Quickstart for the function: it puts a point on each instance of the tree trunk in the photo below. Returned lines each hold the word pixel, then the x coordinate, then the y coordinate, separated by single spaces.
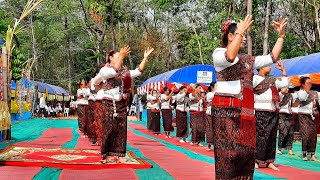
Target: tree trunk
pixel 249 39
pixel 317 28
pixel 68 54
pixel 266 29
pixel 114 36
pixel 6 134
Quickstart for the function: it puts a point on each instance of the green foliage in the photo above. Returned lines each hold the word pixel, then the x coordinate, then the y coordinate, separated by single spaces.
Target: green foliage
pixel 179 30
pixel 17 64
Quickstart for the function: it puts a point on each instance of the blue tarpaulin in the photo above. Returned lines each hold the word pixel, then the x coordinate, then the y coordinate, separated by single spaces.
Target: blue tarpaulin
pixel 41 87
pixel 299 66
pixel 186 74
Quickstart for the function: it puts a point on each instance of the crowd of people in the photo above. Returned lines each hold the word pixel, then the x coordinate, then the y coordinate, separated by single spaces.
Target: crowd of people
pixel 238 116
pixel 51 109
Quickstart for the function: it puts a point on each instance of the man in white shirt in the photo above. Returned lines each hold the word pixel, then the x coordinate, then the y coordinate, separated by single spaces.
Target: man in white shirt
pixel 266 99
pixel 42 105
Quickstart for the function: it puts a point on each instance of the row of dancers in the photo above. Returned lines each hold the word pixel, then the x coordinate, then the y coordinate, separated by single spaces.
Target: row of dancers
pixel 244 107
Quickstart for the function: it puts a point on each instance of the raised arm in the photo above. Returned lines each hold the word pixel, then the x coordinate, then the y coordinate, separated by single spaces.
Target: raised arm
pixel 123 54
pixel 279 26
pixel 137 72
pixel 235 45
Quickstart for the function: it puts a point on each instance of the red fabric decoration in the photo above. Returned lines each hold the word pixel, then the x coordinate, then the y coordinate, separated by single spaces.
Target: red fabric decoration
pixel 275 94
pixel 225 26
pixel 127 84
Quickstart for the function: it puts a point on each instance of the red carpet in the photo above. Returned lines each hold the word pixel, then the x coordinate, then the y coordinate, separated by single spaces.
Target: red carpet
pixel 177 164
pixel 175 141
pixel 51 138
pixel 286 172
pixel 18 173
pixel 84 143
pixel 64 158
pixel 98 174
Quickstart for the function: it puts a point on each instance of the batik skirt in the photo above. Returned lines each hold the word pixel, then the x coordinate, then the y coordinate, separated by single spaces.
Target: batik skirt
pixel 267 126
pixel 209 129
pixel 167 120
pixel 232 160
pixel 149 121
pixel 198 124
pixel 308 129
pixel 155 122
pixel 90 130
pixel 98 120
pixel 114 140
pixel 82 117
pixel 181 124
pixel 286 130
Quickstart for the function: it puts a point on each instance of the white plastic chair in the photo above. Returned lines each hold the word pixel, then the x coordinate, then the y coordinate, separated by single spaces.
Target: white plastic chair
pixel 66 112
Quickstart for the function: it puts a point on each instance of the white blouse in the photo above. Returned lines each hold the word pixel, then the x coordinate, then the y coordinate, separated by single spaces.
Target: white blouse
pixel 209 98
pixel 180 97
pixel 220 63
pixel 264 100
pixel 303 96
pixel 166 102
pixel 85 92
pixel 197 106
pixel 285 108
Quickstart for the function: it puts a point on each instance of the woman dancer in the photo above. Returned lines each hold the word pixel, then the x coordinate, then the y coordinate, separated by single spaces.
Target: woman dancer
pixel 308 114
pixel 115 81
pixel 181 115
pixel 286 127
pixel 209 127
pixel 166 111
pixel 197 120
pixel 232 105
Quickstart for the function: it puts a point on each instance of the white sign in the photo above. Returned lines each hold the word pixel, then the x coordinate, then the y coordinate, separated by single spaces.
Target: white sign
pixel 204 76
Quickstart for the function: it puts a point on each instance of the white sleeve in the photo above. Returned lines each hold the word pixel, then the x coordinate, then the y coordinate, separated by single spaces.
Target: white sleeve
pixel 262 61
pixel 163 97
pixel 152 98
pixel 255 81
pixel 319 98
pixel 210 96
pixel 283 83
pixel 191 97
pixel 179 96
pixel 303 95
pixel 220 61
pixel 104 73
pixel 135 73
pixel 294 96
pixel 87 92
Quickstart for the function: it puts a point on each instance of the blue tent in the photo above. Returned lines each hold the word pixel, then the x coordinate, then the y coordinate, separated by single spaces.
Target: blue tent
pixel 25 83
pixel 188 74
pixel 41 87
pixel 300 65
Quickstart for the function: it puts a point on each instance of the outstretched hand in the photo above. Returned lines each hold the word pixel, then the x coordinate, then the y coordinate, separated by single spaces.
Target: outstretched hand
pixel 125 51
pixel 280 26
pixel 280 65
pixel 245 24
pixel 147 52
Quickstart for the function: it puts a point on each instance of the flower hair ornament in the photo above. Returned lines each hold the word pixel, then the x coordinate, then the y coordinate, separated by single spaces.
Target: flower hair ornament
pixel 225 27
